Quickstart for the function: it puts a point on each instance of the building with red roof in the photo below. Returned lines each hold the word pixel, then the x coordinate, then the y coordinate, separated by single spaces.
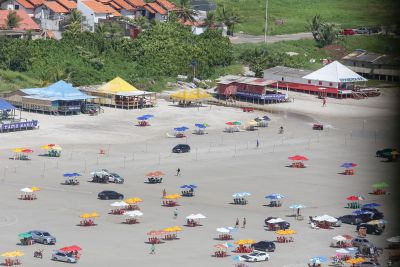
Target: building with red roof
pixel 25 24
pixel 23 5
pixel 68 4
pixel 94 11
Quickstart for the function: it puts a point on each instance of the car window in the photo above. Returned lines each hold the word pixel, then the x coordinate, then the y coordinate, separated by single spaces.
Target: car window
pixel 60 254
pixel 46 234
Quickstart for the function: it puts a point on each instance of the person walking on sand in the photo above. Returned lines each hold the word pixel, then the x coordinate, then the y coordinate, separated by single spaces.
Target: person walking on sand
pixel 152 249
pixel 244 222
pixel 324 102
pixel 257 144
pixel 175 213
pixel 237 223
pixel 178 172
pixel 164 193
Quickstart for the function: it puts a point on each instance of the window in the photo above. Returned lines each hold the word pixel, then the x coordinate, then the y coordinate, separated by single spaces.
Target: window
pixel 309 81
pixel 320 83
pixel 330 84
pixel 16 7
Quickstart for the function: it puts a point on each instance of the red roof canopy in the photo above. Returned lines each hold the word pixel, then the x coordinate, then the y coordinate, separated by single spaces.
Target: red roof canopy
pixel 157 8
pixel 26 23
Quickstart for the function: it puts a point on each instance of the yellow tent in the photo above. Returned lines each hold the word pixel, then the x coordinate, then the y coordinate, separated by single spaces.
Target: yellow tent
pixel 117 85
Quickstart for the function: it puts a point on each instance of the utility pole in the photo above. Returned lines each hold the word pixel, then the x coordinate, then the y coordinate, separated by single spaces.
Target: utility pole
pixel 266 21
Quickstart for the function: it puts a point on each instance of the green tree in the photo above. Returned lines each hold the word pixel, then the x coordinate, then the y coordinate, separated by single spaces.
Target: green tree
pixel 324 33
pixel 184 11
pixel 75 22
pixel 12 20
pixel 229 17
pixel 211 20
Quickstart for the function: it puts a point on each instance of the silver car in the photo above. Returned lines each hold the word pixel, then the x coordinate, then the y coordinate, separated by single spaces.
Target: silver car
pixel 43 237
pixel 63 256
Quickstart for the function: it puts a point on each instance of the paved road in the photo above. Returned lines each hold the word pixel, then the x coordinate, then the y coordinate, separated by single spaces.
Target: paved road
pixel 244 38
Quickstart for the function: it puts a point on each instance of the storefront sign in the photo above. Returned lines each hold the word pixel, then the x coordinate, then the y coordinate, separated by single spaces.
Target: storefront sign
pixel 18 125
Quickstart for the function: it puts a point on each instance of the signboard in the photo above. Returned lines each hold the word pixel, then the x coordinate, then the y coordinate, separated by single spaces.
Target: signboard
pixel 263 96
pixel 343 80
pixel 18 125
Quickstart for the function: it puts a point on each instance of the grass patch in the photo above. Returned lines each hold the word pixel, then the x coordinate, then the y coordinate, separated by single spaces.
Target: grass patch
pixel 10 80
pixel 296 13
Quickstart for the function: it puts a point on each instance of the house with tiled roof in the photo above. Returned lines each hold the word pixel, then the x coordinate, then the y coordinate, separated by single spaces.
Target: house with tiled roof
pixel 26 23
pixel 68 4
pixel 158 10
pixel 94 11
pixel 24 5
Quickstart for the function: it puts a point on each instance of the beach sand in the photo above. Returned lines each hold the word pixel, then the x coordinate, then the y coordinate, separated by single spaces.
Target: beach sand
pixel 219 163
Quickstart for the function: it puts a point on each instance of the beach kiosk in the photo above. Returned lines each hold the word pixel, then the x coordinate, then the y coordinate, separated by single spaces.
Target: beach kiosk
pixel 10 121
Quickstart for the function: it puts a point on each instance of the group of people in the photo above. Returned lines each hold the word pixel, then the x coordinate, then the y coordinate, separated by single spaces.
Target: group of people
pixel 237 223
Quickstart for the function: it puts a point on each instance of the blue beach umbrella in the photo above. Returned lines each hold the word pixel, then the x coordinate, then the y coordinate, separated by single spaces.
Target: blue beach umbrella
pixel 371 205
pixel 297 206
pixel 75 174
pixel 275 196
pixel 319 259
pixel 192 186
pixel 184 186
pixel 149 116
pixel 200 126
pixel 361 212
pixel 68 175
pixel 348 165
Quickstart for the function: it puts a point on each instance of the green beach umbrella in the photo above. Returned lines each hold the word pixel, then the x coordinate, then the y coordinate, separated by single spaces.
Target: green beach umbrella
pixel 380 185
pixel 237 123
pixel 25 235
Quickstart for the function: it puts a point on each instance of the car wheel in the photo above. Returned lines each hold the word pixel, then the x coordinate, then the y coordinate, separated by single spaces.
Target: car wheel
pixel 45 242
pixel 121 197
pixel 69 261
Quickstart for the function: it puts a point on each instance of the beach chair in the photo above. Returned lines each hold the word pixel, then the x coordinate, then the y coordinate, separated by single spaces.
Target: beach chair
pixel 314 226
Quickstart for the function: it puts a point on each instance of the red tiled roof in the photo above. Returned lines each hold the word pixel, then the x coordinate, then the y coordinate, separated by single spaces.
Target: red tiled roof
pixel 124 4
pixel 55 7
pixel 26 23
pixel 104 1
pixel 36 3
pixel 97 7
pixel 191 23
pixel 67 4
pixel 137 3
pixel 166 4
pixel 114 5
pixel 149 9
pixel 157 8
pixel 25 4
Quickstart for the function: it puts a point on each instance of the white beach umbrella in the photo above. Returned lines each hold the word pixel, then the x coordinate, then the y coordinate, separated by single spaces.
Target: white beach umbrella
pixel 119 204
pixel 339 238
pixel 223 230
pixel 133 213
pixel 200 216
pixel 277 220
pixel 191 217
pixel 26 190
pixel 325 218
pixel 342 251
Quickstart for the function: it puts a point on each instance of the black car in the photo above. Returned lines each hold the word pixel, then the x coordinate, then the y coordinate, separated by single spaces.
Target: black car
pixel 264 246
pixel 384 153
pixel 282 225
pixel 181 148
pixel 351 219
pixel 377 215
pixel 372 229
pixel 110 195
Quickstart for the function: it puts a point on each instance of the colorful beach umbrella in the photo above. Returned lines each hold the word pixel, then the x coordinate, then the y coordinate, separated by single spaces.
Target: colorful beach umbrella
pixel 71 248
pixel 348 165
pixel 275 196
pixel 229 123
pixel 361 212
pixel 298 158
pixel 286 232
pixel 25 235
pixel 371 205
pixel 380 185
pixel 318 259
pixel 355 198
pixel 200 125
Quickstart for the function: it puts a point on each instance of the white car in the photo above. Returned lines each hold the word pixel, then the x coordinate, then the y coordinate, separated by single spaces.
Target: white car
pixel 256 256
pixel 63 256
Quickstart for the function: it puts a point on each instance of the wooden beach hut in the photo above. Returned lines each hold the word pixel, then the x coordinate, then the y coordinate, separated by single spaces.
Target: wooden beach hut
pixel 58 98
pixel 120 94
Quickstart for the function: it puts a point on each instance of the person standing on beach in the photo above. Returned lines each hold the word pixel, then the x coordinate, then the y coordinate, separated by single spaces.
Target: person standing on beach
pixel 175 213
pixel 324 102
pixel 257 143
pixel 237 223
pixel 164 193
pixel 244 222
pixel 178 172
pixel 153 249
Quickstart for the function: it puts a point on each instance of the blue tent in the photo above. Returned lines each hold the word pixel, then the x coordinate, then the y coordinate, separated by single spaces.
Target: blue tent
pixel 57 91
pixel 4 105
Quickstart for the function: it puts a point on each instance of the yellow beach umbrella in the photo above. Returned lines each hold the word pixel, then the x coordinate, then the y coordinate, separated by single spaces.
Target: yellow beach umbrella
pixel 117 85
pixel 199 94
pixel 173 196
pixel 17 253
pixel 34 188
pixel 252 123
pixel 8 254
pixel 286 232
pixel 250 241
pixel 241 242
pixel 355 260
pixel 18 150
pixel 133 200
pixel 177 228
pixel 94 215
pixel 85 216
pixel 169 229
pixel 182 95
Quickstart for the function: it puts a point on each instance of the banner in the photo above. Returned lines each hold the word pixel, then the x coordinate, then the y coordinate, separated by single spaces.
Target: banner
pixel 18 125
pixel 263 96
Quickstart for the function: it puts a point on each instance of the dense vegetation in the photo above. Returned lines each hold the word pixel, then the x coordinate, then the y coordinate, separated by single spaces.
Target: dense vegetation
pixel 296 13
pixel 167 49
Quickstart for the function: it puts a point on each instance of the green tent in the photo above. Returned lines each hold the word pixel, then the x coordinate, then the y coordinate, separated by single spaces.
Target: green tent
pixel 25 235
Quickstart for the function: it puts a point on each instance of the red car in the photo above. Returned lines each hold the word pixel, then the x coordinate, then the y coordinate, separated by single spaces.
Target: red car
pixel 348 32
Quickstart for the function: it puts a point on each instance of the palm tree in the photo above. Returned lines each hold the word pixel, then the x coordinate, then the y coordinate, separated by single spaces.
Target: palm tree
pixel 75 21
pixel 211 20
pixel 229 17
pixel 12 20
pixel 114 30
pixel 184 11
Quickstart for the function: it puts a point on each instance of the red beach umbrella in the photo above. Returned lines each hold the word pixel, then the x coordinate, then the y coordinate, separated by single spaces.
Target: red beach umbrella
pixel 27 151
pixel 354 198
pixel 298 158
pixel 229 123
pixel 158 173
pixel 71 248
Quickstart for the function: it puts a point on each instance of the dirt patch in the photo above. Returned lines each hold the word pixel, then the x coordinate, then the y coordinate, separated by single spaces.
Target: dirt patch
pixel 335 51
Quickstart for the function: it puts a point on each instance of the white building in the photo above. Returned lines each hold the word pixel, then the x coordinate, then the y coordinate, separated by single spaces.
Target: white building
pixel 24 5
pixel 94 11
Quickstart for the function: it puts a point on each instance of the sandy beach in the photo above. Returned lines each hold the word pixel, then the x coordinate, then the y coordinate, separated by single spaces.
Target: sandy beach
pixel 219 163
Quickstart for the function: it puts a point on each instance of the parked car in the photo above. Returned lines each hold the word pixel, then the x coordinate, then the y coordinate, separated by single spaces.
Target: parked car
pixel 361 242
pixel 348 32
pixel 372 229
pixel 105 176
pixel 256 256
pixel 43 237
pixel 282 225
pixel 377 215
pixel 110 195
pixel 264 246
pixel 383 152
pixel 181 148
pixel 351 219
pixel 362 30
pixel 63 256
